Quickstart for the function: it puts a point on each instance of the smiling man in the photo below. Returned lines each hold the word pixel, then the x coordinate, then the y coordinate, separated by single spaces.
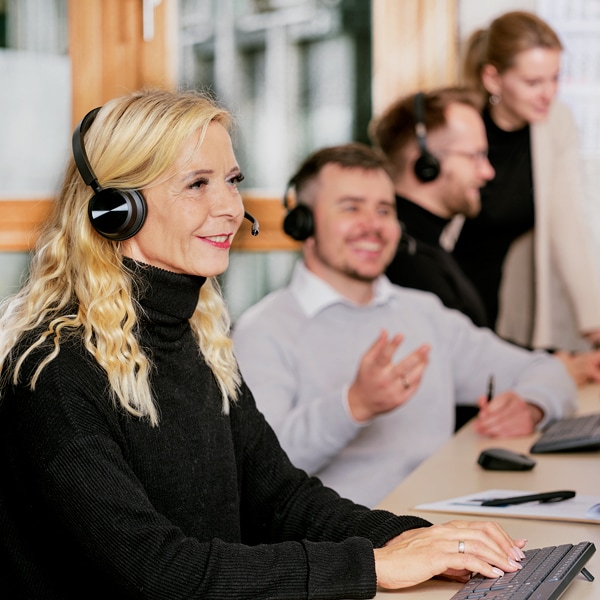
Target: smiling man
pixel 359 377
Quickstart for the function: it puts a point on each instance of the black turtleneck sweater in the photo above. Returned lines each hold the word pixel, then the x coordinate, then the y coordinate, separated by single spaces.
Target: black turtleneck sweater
pixel 423 264
pixel 507 211
pixel 95 503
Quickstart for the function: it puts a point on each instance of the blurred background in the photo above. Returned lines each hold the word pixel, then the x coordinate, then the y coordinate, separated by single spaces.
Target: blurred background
pixel 296 74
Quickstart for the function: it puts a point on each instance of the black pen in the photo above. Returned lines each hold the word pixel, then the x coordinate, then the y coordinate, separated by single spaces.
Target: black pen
pixel 490 393
pixel 546 497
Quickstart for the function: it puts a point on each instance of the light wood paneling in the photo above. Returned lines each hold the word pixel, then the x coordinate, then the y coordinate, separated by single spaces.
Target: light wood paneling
pixel 20 219
pixel 415 47
pixel 270 213
pixel 109 56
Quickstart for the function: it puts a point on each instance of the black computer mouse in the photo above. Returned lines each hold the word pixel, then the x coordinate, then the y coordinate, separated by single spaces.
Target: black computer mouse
pixel 501 459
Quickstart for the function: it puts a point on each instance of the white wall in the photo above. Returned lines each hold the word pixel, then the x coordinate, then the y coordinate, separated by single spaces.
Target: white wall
pixel 473 14
pixel 13 266
pixel 35 120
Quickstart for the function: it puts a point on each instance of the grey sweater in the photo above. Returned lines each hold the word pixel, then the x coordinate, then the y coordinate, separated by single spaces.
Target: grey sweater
pixel 299 350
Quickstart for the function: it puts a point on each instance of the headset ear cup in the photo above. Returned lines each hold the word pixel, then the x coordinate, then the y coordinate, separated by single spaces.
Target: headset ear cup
pixel 299 223
pixel 117 214
pixel 427 167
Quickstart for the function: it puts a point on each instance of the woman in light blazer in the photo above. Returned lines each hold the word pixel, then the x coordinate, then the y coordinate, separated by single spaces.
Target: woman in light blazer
pixel 529 252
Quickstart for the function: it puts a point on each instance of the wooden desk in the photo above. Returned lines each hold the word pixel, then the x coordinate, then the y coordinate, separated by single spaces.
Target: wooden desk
pixel 453 471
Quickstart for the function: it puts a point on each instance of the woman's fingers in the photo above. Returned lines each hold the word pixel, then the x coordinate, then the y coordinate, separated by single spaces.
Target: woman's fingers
pixel 453 550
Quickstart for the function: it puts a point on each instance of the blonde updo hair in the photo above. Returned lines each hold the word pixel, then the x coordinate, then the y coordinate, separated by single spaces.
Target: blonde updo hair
pixel 498 45
pixel 77 283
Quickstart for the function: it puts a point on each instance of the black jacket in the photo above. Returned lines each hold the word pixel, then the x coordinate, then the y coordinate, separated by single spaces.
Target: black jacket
pixel 421 263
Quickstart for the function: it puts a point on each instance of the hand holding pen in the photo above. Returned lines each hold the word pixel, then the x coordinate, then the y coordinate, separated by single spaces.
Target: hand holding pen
pixel 490 389
pixel 506 414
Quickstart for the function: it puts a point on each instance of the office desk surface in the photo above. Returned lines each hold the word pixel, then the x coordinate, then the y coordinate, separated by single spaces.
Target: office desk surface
pixel 453 471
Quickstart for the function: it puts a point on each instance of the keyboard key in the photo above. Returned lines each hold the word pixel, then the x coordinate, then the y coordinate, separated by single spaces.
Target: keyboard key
pixel 545 575
pixel 575 433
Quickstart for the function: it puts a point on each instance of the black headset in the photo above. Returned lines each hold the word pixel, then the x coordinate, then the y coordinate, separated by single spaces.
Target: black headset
pixel 299 222
pixel 116 214
pixel 427 166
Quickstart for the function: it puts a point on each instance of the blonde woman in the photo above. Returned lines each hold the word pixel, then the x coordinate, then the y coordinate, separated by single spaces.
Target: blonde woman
pixel 528 251
pixel 131 451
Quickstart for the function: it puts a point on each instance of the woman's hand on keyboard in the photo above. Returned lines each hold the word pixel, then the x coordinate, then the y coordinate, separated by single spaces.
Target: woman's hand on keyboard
pixel 420 554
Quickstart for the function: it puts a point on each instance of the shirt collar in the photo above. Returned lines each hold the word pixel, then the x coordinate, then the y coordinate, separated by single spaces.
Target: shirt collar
pixel 314 294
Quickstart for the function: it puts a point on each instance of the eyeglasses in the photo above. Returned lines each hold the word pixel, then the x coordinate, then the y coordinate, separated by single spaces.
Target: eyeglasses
pixel 479 156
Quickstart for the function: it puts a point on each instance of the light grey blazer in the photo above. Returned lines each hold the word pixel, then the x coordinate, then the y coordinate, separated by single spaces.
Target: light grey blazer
pixel 550 291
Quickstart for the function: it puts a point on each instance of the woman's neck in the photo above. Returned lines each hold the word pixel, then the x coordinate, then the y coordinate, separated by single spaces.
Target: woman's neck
pixel 506 119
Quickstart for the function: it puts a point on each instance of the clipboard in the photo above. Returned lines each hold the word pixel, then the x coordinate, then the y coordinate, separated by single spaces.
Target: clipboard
pixel 580 509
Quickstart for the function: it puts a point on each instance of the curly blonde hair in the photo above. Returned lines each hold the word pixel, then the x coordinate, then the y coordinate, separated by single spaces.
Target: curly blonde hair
pixel 77 283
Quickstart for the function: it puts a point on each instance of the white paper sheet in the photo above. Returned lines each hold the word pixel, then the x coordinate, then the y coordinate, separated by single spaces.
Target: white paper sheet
pixel 581 508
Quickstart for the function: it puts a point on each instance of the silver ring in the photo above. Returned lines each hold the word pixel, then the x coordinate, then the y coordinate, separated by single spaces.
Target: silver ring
pixel 461 547
pixel 405 383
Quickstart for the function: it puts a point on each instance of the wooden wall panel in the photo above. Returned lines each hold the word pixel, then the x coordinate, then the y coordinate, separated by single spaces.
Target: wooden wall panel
pixel 415 46
pixel 109 56
pixel 270 213
pixel 20 219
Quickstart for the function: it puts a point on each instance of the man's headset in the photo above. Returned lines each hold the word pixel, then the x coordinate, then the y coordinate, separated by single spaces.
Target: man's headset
pixel 427 166
pixel 116 214
pixel 299 222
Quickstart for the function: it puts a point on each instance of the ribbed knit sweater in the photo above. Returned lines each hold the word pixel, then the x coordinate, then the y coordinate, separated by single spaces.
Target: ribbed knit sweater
pixel 95 503
pixel 507 212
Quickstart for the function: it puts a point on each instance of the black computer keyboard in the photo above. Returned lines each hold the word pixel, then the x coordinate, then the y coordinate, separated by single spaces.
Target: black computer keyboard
pixel 545 575
pixel 575 433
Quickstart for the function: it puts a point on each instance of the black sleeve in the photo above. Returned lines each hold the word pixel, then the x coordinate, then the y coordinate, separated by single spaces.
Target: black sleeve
pixel 287 504
pixel 148 557
pixel 89 513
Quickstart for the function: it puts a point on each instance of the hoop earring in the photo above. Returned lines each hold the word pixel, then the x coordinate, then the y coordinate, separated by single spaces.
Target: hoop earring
pixel 494 99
